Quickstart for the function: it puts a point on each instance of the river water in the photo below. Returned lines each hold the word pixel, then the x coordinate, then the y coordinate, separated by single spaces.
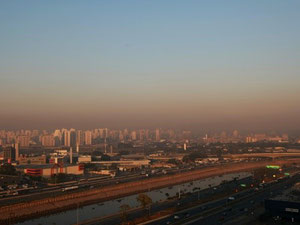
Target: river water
pixel 113 206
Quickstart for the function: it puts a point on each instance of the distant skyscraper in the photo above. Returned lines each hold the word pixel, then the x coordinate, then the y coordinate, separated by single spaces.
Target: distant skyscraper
pixel 121 136
pixel 35 133
pixel 147 134
pixel 67 138
pixel 235 134
pixel 57 137
pixel 157 135
pixel 48 140
pixel 141 134
pixel 133 135
pixel 9 154
pixel 73 137
pixel 88 137
pixel 17 151
pixel 101 133
pixel 79 137
pixel 23 140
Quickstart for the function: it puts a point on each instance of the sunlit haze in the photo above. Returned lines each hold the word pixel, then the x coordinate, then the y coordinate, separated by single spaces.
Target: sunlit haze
pixel 179 64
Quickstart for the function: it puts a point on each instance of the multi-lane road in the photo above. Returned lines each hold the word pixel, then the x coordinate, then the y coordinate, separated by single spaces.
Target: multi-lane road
pixel 102 182
pixel 87 183
pixel 220 211
pixel 225 210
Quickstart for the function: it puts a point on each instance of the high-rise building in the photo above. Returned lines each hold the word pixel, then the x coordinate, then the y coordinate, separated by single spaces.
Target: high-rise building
pixel 133 135
pixel 157 135
pixel 141 135
pixel 72 137
pixel 235 134
pixel 79 137
pixel 147 134
pixel 125 134
pixel 67 138
pixel 57 137
pixel 35 133
pixel 17 151
pixel 101 133
pixel 88 137
pixel 9 154
pixel 121 136
pixel 48 140
pixel 23 140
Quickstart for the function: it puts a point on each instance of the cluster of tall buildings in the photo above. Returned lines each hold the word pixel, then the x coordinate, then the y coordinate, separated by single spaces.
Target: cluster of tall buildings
pixel 72 137
pixel 235 137
pixel 75 137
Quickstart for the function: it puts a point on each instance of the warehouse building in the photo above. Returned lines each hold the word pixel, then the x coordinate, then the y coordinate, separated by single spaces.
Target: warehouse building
pixel 287 205
pixel 48 170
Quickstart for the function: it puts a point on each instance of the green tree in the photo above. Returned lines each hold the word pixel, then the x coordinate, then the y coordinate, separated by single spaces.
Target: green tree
pixel 194 155
pixel 145 201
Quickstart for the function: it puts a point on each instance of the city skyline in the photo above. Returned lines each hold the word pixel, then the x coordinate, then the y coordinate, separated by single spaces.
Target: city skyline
pixel 149 112
pixel 195 65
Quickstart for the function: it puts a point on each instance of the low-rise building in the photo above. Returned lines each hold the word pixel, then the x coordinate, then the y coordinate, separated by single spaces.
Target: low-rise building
pixel 34 160
pixel 48 170
pixel 84 159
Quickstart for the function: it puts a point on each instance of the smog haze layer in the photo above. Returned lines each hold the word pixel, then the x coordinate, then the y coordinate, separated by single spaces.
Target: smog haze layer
pixel 181 64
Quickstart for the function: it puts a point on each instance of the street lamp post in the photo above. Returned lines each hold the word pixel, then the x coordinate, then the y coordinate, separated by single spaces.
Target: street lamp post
pixel 77 213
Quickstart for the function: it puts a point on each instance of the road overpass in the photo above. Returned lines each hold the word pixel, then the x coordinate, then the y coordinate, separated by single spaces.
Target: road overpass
pixel 145 162
pixel 264 155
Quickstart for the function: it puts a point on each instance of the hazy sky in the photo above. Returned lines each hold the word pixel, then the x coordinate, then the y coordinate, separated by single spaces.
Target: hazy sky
pixel 198 64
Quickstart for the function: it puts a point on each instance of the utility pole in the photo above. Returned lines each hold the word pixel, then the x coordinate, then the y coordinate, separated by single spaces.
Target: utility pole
pixel 77 213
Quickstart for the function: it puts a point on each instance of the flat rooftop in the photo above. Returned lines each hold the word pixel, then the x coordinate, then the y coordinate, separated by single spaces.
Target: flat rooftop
pixel 292 194
pixel 43 166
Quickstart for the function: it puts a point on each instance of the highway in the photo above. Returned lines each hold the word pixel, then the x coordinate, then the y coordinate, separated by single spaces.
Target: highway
pixel 88 183
pixel 214 212
pixel 57 189
pixel 222 211
pixel 175 203
pixel 101 183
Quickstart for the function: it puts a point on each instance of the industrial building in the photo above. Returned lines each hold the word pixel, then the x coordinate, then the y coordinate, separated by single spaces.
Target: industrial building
pixel 33 160
pixel 287 205
pixel 48 170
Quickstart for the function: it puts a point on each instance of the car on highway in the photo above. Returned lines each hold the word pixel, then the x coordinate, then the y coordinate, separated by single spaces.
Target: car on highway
pixel 176 217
